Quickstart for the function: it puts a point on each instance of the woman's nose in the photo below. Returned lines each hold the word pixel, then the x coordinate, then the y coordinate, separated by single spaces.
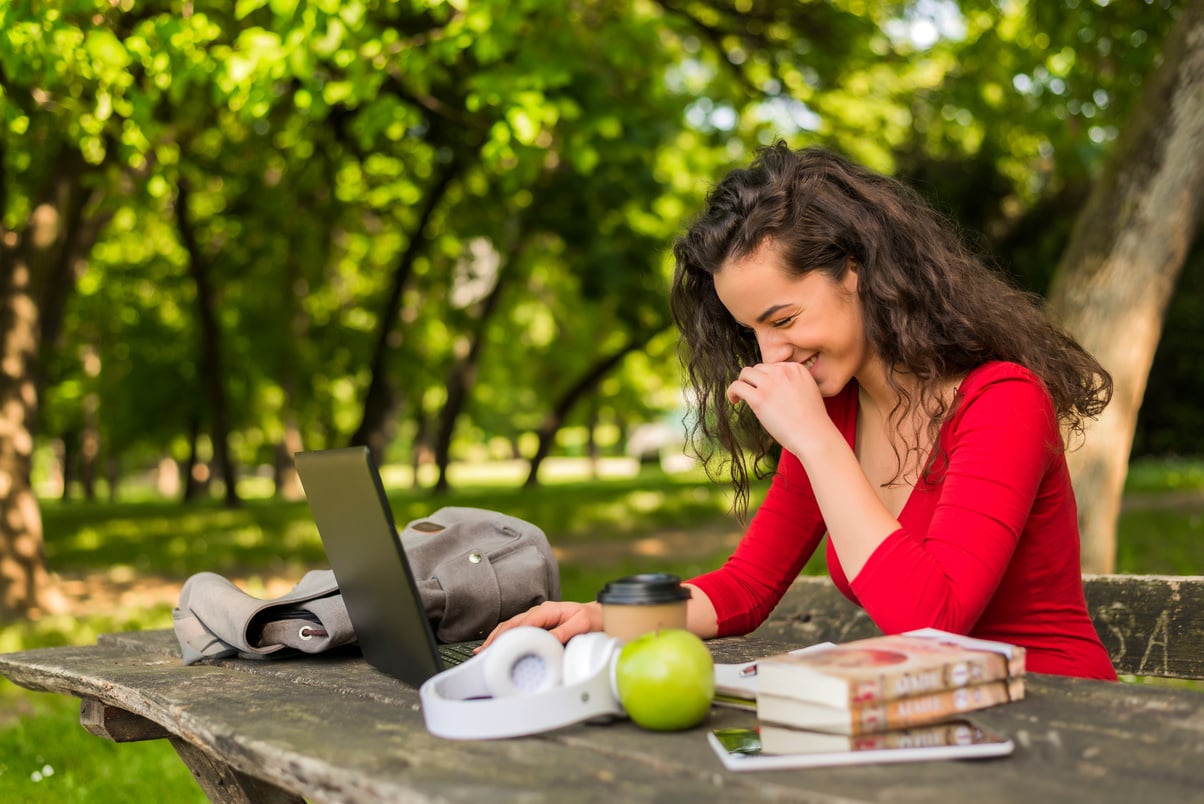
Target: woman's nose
pixel 774 348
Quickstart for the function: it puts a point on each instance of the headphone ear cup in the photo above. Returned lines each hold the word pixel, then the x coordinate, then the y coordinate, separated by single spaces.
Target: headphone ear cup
pixel 522 661
pixel 588 654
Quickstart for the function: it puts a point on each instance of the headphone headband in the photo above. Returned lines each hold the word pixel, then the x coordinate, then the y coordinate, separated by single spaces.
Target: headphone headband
pixel 476 700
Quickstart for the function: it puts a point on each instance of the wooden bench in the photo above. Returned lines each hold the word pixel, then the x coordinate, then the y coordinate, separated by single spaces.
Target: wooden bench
pixel 1152 625
pixel 330 729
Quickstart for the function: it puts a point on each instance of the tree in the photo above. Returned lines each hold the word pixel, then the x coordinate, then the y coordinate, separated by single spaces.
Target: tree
pixel 48 222
pixel 341 156
pixel 1129 244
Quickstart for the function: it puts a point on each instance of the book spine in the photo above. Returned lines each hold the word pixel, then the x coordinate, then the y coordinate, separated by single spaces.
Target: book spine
pixel 937 734
pixel 888 686
pixel 899 713
pixel 917 710
pixel 786 740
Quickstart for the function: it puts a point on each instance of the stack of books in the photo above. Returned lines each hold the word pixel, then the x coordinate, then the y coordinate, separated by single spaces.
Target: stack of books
pixel 880 691
pixel 899 698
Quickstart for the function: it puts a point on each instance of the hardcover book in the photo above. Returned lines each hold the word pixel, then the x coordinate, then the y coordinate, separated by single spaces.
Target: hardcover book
pixel 784 740
pixel 736 684
pixel 885 668
pixel 896 713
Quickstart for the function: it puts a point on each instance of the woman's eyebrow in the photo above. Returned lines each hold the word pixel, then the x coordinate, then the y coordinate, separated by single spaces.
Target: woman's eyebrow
pixel 771 311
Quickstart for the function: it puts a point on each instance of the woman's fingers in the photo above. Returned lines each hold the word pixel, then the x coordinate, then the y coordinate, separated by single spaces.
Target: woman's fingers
pixel 585 619
pixel 548 615
pixel 759 377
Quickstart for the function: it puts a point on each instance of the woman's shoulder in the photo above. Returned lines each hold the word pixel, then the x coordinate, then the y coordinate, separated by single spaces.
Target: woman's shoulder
pixel 999 372
pixel 1004 388
pixel 1010 401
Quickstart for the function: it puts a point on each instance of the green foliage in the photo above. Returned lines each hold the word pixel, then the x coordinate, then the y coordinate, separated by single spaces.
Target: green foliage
pixel 1172 421
pixel 1162 541
pixel 578 140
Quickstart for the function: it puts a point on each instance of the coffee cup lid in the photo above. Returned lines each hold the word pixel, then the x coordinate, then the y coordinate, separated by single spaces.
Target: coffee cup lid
pixel 644 589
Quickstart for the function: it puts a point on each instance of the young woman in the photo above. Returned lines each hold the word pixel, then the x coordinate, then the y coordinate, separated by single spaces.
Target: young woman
pixel 915 407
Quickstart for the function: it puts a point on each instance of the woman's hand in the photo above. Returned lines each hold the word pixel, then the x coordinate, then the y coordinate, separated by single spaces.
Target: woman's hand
pixel 563 618
pixel 785 399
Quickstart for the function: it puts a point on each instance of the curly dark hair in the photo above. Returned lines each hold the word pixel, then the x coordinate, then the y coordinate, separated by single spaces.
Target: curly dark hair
pixel 932 309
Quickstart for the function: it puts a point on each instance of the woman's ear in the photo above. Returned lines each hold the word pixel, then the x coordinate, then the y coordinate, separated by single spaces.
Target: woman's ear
pixel 850 275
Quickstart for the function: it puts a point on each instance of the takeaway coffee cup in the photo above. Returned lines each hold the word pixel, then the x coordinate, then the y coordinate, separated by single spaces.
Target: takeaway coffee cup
pixel 641 603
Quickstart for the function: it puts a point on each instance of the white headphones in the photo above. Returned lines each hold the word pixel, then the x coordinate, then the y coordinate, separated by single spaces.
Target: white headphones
pixel 526 682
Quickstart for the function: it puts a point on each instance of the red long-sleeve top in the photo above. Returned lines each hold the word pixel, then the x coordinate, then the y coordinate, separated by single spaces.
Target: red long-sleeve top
pixel 989 543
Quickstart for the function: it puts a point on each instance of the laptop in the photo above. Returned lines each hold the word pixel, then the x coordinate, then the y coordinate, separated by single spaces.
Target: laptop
pixel 349 506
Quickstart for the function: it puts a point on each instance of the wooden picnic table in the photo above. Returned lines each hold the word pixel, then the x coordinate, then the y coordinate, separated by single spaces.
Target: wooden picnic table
pixel 330 728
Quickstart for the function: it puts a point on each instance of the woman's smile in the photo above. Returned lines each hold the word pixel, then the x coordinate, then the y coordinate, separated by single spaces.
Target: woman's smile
pixel 793 314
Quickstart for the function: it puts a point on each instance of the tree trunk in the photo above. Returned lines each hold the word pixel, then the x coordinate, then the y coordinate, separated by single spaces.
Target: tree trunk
pixel 560 411
pixel 212 372
pixel 65 449
pixel 35 270
pixel 23 577
pixel 286 481
pixel 463 373
pixel 592 450
pixel 196 478
pixel 420 452
pixel 89 453
pixel 1117 276
pixel 378 400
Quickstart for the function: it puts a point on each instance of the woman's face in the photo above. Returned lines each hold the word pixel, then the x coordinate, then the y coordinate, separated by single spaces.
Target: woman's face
pixel 810 319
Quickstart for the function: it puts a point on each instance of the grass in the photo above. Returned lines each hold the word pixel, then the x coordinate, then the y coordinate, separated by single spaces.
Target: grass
pixel 46 757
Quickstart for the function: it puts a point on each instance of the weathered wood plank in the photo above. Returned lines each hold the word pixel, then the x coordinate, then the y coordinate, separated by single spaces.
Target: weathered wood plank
pixel 116 724
pixel 1150 625
pixel 332 729
pixel 813 610
pixel 224 784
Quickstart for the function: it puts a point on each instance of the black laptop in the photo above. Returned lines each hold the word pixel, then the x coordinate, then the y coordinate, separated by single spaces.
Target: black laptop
pixel 356 524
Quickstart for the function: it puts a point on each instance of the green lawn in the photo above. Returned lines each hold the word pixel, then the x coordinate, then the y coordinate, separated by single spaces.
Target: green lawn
pixel 606 528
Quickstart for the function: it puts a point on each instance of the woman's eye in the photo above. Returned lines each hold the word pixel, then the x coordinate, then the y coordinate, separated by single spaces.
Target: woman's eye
pixel 782 322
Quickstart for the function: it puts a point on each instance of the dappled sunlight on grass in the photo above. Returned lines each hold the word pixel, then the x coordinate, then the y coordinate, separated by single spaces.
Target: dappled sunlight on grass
pixel 82 628
pixel 46 757
pixel 1165 475
pixel 121 565
pixel 514 472
pixel 176 539
pixel 645 501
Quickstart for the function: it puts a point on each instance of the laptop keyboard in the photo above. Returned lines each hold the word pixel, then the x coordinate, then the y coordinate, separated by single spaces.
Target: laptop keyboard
pixel 458 652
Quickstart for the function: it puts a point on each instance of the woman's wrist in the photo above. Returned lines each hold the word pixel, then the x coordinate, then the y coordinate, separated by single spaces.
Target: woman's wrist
pixel 817 449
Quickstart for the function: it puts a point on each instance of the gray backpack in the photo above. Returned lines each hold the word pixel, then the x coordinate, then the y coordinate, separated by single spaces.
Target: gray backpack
pixel 473 568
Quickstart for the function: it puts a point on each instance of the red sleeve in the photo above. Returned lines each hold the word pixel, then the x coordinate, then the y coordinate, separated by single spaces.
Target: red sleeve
pixel 999 445
pixel 781 538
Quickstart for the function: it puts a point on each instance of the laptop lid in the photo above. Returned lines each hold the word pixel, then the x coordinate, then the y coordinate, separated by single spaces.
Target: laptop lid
pixel 356 524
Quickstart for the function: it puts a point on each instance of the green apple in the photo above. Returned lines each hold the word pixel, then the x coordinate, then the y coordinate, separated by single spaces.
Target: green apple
pixel 666 679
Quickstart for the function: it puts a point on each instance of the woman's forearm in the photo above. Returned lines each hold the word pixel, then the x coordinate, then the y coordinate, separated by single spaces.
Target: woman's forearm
pixel 701 618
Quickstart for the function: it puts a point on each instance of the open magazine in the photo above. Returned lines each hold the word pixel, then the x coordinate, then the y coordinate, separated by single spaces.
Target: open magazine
pixel 741 749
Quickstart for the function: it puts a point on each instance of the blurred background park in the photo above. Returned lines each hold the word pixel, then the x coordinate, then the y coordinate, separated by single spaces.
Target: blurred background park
pixel 236 229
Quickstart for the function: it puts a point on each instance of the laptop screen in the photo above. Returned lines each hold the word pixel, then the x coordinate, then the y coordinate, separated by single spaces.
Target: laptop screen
pixel 356 524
